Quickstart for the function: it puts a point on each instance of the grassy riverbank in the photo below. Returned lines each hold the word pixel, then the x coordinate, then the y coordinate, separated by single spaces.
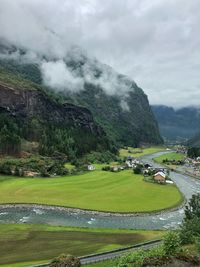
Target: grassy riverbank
pixel 23 245
pixel 170 156
pixel 98 190
pixel 140 152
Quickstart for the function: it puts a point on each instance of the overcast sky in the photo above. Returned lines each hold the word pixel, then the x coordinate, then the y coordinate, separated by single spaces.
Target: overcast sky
pixel 155 42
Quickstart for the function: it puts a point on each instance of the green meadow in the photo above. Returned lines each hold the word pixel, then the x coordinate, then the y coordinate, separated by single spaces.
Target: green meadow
pixel 139 152
pixel 170 156
pixel 123 192
pixel 23 245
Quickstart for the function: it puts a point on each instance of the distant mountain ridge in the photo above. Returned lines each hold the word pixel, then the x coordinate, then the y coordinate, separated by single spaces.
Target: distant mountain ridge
pixel 194 141
pixel 180 124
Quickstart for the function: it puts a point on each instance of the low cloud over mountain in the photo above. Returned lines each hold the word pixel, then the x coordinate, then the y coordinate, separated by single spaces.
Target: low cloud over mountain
pixel 155 43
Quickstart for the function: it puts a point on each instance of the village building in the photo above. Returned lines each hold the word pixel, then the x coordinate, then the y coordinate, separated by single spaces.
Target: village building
pixel 160 177
pixel 90 167
pixel 115 168
pixel 131 162
pixel 147 166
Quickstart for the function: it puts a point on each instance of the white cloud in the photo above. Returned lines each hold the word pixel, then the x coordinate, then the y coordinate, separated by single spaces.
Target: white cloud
pixel 124 105
pixel 156 43
pixel 58 76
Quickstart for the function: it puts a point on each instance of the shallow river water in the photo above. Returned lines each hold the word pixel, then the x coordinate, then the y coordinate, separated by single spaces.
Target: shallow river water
pixel 164 220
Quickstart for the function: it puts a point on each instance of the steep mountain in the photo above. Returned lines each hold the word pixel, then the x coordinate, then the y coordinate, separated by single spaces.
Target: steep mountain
pixel 28 113
pixel 117 103
pixel 180 124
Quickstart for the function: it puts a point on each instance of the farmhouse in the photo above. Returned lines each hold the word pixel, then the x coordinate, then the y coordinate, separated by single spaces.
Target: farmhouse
pixel 159 177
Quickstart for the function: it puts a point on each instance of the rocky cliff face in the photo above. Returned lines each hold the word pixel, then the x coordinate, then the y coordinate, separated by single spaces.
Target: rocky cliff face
pixel 33 115
pixel 26 104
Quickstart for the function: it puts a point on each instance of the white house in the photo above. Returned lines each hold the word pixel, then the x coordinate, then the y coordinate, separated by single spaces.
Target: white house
pixel 131 162
pixel 90 167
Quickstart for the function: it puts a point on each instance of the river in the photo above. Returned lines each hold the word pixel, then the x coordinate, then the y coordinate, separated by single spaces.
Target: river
pixel 163 220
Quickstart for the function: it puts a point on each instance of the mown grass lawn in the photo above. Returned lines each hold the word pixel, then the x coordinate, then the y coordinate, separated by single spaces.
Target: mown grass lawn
pixel 170 156
pixel 97 190
pixel 139 152
pixel 23 245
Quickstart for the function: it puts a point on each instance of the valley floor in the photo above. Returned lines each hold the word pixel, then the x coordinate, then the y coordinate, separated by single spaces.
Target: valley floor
pixel 170 156
pixel 123 192
pixel 140 152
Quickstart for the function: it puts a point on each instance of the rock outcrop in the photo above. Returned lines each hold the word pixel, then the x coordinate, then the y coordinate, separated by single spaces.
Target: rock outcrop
pixel 26 104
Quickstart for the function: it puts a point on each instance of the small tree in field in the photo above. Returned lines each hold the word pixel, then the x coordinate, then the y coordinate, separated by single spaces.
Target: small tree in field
pixel 137 169
pixel 172 243
pixel 190 228
pixel 65 261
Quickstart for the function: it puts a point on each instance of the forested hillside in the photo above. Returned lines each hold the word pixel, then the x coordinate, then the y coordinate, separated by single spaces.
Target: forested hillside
pixel 28 113
pixel 119 106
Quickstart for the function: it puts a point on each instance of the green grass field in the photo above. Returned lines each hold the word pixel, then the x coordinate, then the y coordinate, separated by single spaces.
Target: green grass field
pixel 97 190
pixel 170 156
pixel 106 263
pixel 138 152
pixel 23 245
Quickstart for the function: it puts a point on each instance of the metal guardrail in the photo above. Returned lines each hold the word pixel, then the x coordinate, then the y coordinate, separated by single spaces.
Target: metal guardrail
pixel 109 254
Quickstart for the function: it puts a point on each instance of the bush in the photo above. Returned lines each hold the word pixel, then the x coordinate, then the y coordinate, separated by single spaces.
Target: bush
pixel 189 230
pixel 99 157
pixel 137 169
pixel 193 208
pixel 65 261
pixel 44 166
pixel 106 168
pixel 140 258
pixel 172 243
pixel 197 244
pixel 136 259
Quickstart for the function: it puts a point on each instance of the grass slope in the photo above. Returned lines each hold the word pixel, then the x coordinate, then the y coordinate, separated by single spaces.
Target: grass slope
pixel 139 152
pixel 22 245
pixel 170 156
pixel 98 190
pixel 106 263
